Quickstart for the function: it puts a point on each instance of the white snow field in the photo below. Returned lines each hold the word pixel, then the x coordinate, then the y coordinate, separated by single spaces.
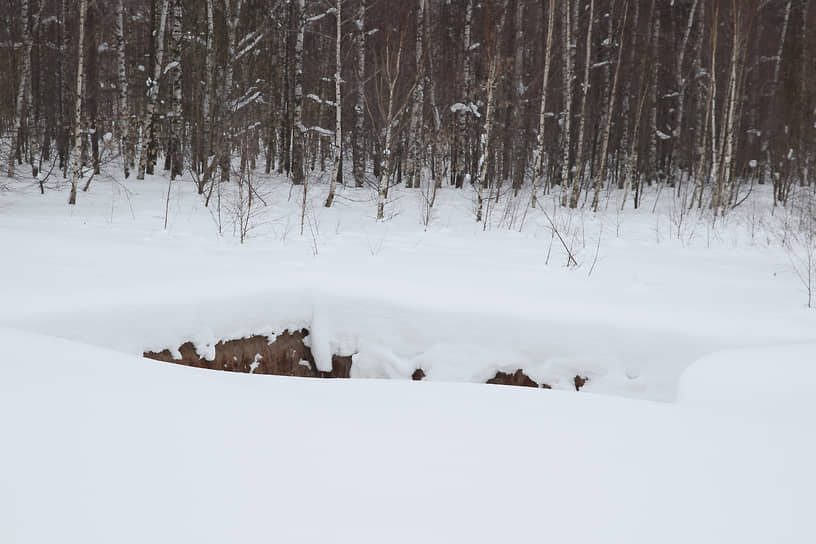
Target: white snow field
pixel 702 325
pixel 102 447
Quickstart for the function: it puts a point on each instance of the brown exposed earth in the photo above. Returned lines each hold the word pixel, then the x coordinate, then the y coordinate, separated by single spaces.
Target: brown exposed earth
pixel 288 355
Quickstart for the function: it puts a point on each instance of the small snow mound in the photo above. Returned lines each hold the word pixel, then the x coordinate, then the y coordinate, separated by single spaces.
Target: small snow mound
pixel 769 381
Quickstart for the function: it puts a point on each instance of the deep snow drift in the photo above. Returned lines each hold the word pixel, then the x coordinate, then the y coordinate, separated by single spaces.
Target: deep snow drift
pixel 460 302
pixel 103 447
pixel 100 445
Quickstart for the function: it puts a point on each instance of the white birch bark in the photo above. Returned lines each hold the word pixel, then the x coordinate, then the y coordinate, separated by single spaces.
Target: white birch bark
pixel 23 95
pixel 153 92
pixel 125 148
pixel 359 158
pixel 579 155
pixel 338 106
pixel 77 152
pixel 654 171
pixel 415 152
pixel 481 182
pixel 298 174
pixel 177 147
pixel 542 113
pixel 599 175
pixel 567 120
pixel 209 64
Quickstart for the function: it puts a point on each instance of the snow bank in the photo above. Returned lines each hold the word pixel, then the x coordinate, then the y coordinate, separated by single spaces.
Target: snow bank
pixel 99 447
pixel 453 300
pixel 762 382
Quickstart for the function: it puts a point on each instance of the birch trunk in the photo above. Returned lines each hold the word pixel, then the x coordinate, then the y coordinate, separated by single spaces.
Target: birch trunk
pixel 152 93
pixel 654 173
pixel 773 92
pixel 205 142
pixel 565 130
pixel 728 130
pixel 715 164
pixel 519 144
pixel 177 144
pixel 77 152
pixel 415 153
pixel 359 148
pixel 392 72
pixel 599 175
pixel 542 112
pixel 338 109
pixel 124 113
pixel 298 174
pixel 485 141
pixel 232 13
pixel 579 155
pixel 461 153
pixel 23 95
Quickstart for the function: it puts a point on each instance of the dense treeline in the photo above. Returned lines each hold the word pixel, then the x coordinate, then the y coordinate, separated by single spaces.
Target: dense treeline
pixel 705 96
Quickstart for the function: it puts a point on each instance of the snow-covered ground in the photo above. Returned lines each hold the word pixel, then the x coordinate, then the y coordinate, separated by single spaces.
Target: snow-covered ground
pixel 457 301
pixel 100 445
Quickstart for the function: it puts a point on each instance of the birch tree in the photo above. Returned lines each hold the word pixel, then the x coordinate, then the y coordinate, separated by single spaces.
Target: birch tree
pixel 359 158
pixel 206 137
pixel 174 68
pixel 152 93
pixel 579 154
pixel 298 174
pixel 338 106
pixel 542 113
pixel 607 127
pixel 416 139
pixel 124 112
pixel 23 86
pixel 77 152
pixel 567 113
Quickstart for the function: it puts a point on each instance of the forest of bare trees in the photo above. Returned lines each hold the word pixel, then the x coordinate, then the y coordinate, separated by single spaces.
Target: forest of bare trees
pixel 707 97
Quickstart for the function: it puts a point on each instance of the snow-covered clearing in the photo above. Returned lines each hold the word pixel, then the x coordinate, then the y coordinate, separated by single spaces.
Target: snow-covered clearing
pixel 452 299
pixel 100 445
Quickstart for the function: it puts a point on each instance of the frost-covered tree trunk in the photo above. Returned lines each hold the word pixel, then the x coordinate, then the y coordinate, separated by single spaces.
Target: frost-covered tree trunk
pixel 338 106
pixel 359 147
pixel 77 152
pixel 542 112
pixel 152 93
pixel 416 140
pixel 567 120
pixel 298 174
pixel 174 69
pixel 607 128
pixel 23 94
pixel 124 113
pixel 577 182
